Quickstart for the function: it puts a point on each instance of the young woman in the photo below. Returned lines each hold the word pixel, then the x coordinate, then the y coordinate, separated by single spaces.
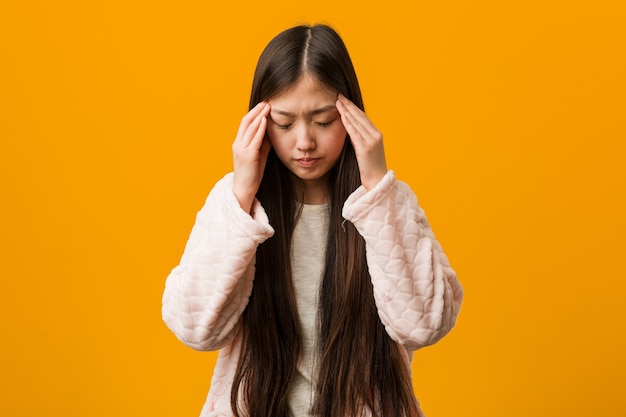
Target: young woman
pixel 311 268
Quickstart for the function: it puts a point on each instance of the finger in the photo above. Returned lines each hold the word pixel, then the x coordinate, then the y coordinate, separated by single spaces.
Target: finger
pixel 250 117
pixel 254 129
pixel 357 116
pixel 259 133
pixel 360 120
pixel 347 123
pixel 355 131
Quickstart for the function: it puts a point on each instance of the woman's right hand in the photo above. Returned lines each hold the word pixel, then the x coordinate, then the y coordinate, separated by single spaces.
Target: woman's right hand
pixel 250 150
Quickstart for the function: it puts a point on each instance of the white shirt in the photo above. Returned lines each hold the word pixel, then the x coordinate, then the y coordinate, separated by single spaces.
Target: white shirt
pixel 308 248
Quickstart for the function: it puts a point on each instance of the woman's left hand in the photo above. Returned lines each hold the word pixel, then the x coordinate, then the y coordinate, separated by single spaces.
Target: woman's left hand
pixel 367 142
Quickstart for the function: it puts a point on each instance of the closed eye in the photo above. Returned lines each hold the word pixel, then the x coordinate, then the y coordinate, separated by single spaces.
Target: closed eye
pixel 320 124
pixel 283 127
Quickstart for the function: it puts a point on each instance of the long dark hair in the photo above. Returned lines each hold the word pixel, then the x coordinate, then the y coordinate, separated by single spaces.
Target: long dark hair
pixel 359 367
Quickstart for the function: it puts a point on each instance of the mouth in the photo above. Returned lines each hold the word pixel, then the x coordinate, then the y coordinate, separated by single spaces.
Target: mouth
pixel 307 162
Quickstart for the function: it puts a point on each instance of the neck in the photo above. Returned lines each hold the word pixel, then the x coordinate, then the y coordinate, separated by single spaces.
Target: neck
pixel 316 192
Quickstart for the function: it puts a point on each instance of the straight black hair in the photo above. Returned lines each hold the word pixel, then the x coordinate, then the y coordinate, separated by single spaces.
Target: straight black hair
pixel 360 369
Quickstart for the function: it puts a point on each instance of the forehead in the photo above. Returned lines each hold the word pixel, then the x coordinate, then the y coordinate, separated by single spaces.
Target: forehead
pixel 306 94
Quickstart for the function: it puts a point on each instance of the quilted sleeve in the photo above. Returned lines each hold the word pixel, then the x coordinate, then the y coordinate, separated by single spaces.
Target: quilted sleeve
pixel 416 291
pixel 207 292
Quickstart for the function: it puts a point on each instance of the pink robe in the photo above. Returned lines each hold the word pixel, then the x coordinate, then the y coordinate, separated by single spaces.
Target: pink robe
pixel 416 292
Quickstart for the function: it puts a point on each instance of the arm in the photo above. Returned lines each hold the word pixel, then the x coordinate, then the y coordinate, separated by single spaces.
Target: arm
pixel 207 292
pixel 416 292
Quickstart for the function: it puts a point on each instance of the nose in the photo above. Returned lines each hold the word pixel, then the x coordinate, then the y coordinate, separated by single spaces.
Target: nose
pixel 305 140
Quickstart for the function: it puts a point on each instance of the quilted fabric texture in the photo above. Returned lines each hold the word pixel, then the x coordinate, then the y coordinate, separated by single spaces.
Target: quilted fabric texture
pixel 417 294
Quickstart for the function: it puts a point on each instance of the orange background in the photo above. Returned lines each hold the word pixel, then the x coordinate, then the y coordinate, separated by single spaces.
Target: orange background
pixel 507 118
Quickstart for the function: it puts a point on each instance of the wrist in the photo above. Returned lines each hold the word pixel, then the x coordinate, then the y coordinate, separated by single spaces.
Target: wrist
pixel 373 179
pixel 244 202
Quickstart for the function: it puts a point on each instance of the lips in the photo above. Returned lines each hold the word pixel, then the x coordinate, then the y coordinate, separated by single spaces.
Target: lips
pixel 307 162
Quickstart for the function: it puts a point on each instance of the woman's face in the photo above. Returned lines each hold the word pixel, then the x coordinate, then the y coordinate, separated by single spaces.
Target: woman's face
pixel 306 132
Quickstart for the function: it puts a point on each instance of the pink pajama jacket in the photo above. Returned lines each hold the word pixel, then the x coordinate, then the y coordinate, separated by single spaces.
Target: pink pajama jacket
pixel 416 292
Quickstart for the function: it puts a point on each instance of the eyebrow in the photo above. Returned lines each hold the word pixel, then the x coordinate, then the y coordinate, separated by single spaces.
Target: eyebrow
pixel 320 110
